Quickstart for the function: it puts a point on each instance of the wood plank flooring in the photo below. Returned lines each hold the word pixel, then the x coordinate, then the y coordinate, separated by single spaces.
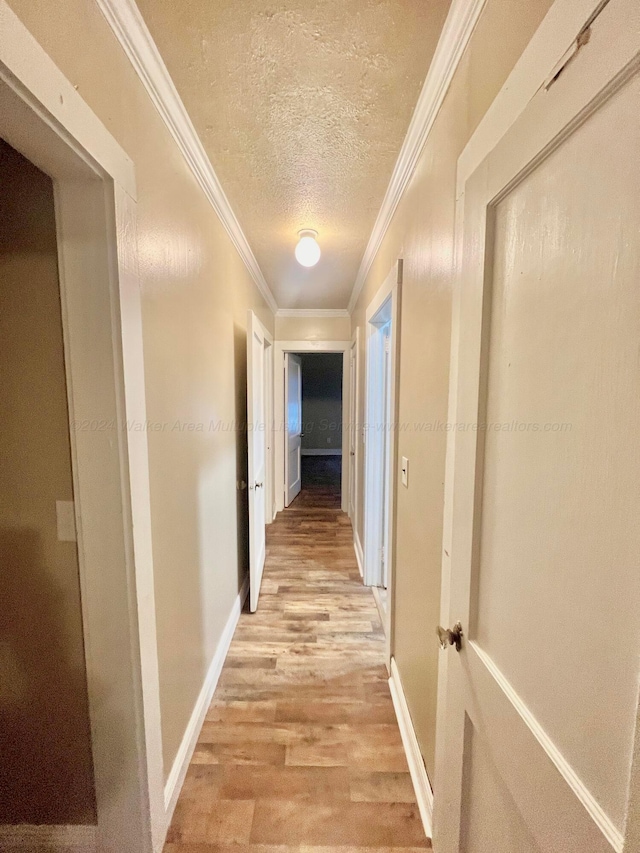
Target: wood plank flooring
pixel 300 750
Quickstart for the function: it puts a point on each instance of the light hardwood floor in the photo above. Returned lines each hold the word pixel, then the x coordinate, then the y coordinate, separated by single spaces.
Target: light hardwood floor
pixel 300 750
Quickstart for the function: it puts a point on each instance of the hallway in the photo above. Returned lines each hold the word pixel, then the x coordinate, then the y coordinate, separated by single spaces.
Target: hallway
pixel 300 747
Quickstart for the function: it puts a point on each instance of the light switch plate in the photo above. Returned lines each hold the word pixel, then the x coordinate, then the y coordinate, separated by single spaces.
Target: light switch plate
pixel 405 471
pixel 66 520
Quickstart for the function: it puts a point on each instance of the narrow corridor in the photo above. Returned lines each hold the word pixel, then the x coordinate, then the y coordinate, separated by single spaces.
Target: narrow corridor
pixel 300 748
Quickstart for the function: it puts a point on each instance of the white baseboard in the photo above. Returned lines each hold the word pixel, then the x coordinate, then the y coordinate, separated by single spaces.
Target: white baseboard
pixel 179 770
pixel 421 784
pixel 357 547
pixel 321 451
pixel 57 839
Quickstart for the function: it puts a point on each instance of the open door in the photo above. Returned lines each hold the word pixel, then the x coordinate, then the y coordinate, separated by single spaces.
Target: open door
pixel 258 339
pixel 537 735
pixel 293 438
pixel 353 431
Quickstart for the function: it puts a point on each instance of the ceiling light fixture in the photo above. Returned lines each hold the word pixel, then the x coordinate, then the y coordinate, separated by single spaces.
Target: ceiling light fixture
pixel 307 250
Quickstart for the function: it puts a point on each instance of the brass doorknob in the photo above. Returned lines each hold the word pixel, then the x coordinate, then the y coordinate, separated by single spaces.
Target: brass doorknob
pixel 450 636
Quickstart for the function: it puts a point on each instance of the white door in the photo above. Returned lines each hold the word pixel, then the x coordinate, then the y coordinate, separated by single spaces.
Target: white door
pixel 257 447
pixel 353 432
pixel 293 436
pixel 535 752
pixel 378 460
pixel 388 430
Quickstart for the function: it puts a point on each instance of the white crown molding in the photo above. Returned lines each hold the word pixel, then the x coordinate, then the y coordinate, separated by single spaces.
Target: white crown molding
pixel 458 28
pixel 124 18
pixel 312 312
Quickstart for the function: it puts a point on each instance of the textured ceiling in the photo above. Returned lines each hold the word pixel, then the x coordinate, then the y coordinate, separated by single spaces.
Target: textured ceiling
pixel 302 108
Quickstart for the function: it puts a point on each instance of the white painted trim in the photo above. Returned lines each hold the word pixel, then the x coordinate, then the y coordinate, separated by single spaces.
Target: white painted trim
pixel 55 838
pixel 27 69
pixel 584 795
pixel 321 451
pixel 192 732
pixel 419 777
pixel 558 29
pixel 280 348
pixel 313 312
pixel 456 33
pixel 357 547
pixel 124 18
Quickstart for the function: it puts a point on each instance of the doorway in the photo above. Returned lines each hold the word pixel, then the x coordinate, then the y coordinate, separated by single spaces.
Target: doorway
pixel 321 423
pixel 45 740
pixel 95 224
pixel 310 445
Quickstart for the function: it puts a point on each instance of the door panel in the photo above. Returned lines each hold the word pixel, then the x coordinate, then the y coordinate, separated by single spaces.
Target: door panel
pixel 293 439
pixel 562 369
pixel 485 793
pixel 256 435
pixel 542 700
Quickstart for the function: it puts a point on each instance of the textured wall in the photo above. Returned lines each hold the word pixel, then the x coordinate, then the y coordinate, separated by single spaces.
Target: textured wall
pixel 196 293
pixel 302 108
pixel 46 774
pixel 422 232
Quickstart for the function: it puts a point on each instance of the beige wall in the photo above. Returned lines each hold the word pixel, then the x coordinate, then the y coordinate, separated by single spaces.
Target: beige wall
pixel 45 746
pixel 422 232
pixel 313 328
pixel 196 293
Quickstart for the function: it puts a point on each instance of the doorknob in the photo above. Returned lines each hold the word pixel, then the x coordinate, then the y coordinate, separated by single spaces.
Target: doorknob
pixel 258 485
pixel 450 636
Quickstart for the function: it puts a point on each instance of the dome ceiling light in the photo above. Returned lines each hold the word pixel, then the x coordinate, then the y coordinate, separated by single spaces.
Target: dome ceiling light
pixel 307 250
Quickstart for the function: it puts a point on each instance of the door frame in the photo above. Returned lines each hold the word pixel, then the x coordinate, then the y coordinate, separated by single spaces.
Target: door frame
pixel 47 121
pixel 551 47
pixel 280 432
pixel 384 308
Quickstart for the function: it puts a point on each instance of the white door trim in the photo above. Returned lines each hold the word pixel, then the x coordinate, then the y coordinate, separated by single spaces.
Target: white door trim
pixel 383 308
pixel 279 431
pixel 553 40
pixel 44 117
